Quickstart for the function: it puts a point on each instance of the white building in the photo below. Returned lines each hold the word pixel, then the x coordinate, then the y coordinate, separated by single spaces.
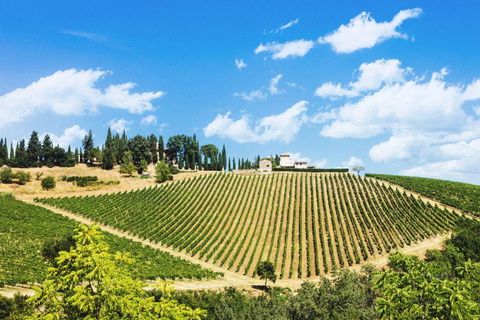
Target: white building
pixel 287 162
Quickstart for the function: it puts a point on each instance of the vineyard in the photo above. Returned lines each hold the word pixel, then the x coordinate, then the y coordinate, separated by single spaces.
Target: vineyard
pixel 305 223
pixel 460 195
pixel 25 228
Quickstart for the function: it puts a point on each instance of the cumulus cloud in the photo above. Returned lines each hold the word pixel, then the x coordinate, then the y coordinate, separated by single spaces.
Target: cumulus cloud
pixel 69 136
pixel 119 125
pixel 149 120
pixel 364 32
pixel 431 128
pixel 372 76
pixel 72 92
pixel 334 91
pixel 240 64
pixel 256 94
pixel 353 162
pixel 295 48
pixel 281 127
pixel 273 85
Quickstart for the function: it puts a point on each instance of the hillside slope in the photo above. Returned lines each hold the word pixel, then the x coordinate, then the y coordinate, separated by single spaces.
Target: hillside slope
pixel 25 228
pixel 306 223
pixel 460 195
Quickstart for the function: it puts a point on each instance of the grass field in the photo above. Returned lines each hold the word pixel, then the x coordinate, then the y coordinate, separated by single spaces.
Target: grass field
pixel 463 196
pixel 24 228
pixel 305 223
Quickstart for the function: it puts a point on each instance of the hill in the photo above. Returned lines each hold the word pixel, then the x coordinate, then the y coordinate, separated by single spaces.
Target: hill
pixel 26 228
pixel 460 195
pixel 306 223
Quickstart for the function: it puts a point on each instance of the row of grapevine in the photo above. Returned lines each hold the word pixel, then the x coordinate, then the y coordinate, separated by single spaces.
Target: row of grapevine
pixel 305 223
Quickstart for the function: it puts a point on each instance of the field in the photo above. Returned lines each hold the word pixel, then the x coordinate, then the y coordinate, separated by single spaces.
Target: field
pixel 463 196
pixel 305 223
pixel 24 228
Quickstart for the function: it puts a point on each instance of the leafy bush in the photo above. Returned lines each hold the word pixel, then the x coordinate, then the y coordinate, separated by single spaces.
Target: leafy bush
pixel 48 183
pixel 82 178
pixel 38 175
pixel 23 177
pixel 143 166
pixel 6 175
pixel 162 173
pixel 173 170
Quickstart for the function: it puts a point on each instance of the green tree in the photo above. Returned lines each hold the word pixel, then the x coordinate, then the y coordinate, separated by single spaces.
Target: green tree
pixel 266 270
pixel 108 155
pixel 48 183
pixel 90 283
pixel 161 149
pixel 162 172
pixel 152 142
pixel 34 150
pixel 142 166
pixel 127 167
pixel 48 157
pixel 140 149
pixel 87 144
pixel 409 289
pixel 234 164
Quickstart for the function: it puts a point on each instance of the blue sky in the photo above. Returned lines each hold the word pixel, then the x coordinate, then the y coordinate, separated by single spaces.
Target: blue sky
pixel 392 85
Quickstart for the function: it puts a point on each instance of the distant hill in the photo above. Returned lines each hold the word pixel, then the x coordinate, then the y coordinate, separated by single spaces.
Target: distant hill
pixel 460 195
pixel 305 223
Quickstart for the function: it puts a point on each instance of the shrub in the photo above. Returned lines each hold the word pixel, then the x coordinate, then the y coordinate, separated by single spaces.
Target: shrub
pixel 173 170
pixel 143 166
pixel 38 175
pixel 162 173
pixel 23 177
pixel 48 183
pixel 6 175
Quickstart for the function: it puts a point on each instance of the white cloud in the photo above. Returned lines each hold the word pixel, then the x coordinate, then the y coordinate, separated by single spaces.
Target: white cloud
pixel 162 127
pixel 297 157
pixel 296 48
pixel 72 92
pixel 273 85
pixel 149 120
pixel 372 76
pixel 69 136
pixel 282 127
pixel 119 125
pixel 364 32
pixel 353 162
pixel 257 94
pixel 240 64
pixel 86 35
pixel 285 26
pixel 292 84
pixel 410 106
pixel 334 92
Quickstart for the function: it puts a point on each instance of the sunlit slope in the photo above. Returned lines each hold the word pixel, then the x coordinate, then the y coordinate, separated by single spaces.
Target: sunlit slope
pixel 306 223
pixel 460 195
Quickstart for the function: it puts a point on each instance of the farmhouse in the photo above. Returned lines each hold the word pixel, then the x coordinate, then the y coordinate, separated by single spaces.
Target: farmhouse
pixel 287 162
pixel 265 165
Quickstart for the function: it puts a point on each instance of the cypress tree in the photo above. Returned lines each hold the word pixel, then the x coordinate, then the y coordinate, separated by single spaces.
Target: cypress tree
pixel 153 148
pixel 34 150
pixel 224 157
pixel 108 156
pixel 180 161
pixel 161 149
pixel 234 164
pixel 187 161
pixel 87 144
pixel 76 155
pixel 229 164
pixel 12 155
pixel 47 151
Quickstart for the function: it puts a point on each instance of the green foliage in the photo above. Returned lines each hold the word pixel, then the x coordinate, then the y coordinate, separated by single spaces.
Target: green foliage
pixel 162 172
pixel 15 308
pixel 38 175
pixel 91 283
pixel 6 175
pixel 142 166
pixel 463 196
pixel 30 237
pixel 266 270
pixel 22 177
pixel 108 160
pixel 48 183
pixel 140 149
pixel 173 169
pixel 87 144
pixel 411 290
pixel 127 167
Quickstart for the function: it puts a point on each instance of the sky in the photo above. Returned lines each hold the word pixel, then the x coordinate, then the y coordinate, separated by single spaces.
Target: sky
pixel 390 85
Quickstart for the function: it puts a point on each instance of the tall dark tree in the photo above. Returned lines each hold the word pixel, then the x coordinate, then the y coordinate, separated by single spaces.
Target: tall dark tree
pixel 21 159
pixel 87 144
pixel 152 142
pixel 76 155
pixel 12 154
pixel 3 154
pixel 48 157
pixel 234 164
pixel 139 147
pixel 34 150
pixel 180 161
pixel 229 164
pixel 108 154
pixel 161 149
pixel 224 157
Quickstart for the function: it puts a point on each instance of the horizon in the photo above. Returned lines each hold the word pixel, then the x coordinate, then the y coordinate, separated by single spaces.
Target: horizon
pixel 391 86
